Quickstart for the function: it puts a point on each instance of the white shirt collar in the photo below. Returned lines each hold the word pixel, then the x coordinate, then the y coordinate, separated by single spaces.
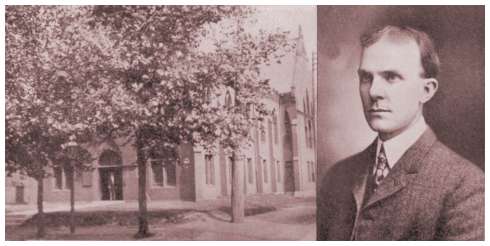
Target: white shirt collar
pixel 397 146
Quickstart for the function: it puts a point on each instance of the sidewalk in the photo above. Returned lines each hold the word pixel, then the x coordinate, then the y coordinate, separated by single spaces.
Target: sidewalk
pixel 262 199
pixel 31 209
pixel 269 217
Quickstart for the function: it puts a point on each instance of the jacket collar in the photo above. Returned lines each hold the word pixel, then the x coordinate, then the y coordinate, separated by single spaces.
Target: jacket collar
pixel 402 173
pixel 367 160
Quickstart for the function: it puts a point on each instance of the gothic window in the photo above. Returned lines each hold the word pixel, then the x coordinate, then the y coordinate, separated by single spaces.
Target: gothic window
pixel 250 171
pixel 266 175
pixel 274 120
pixel 209 166
pixel 287 124
pixel 278 171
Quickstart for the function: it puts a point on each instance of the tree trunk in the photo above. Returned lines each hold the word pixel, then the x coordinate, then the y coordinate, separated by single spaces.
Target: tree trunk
pixel 143 228
pixel 72 199
pixel 41 232
pixel 237 196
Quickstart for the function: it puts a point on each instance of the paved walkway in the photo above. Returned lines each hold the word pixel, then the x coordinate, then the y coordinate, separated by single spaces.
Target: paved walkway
pixel 291 219
pixel 30 209
pixel 283 224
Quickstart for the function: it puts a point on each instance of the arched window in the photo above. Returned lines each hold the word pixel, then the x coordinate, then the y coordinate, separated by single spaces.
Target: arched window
pixel 266 174
pixel 274 121
pixel 287 124
pixel 209 168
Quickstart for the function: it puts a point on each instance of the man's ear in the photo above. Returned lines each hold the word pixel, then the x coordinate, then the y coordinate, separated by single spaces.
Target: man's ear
pixel 430 87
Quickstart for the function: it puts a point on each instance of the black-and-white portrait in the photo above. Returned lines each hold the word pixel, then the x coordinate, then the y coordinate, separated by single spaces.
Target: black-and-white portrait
pixel 401 123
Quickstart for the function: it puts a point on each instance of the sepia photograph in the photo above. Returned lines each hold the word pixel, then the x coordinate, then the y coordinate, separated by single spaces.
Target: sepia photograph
pixel 160 122
pixel 400 123
pixel 244 122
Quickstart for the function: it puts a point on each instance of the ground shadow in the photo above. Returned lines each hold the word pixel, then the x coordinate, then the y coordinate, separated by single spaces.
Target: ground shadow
pixel 130 218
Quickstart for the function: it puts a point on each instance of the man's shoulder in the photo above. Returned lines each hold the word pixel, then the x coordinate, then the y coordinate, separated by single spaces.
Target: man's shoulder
pixel 353 162
pixel 447 164
pixel 347 167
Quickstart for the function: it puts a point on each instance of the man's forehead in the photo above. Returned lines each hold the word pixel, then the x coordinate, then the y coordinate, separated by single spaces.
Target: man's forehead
pixel 390 53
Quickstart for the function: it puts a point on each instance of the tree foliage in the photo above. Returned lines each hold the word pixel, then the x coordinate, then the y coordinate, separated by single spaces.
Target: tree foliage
pixel 53 62
pixel 144 72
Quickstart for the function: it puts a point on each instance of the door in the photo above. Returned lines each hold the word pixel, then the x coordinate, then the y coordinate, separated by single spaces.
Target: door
pixel 111 183
pixel 110 174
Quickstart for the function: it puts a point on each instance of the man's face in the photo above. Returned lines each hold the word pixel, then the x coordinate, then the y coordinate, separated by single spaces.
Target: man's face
pixel 391 85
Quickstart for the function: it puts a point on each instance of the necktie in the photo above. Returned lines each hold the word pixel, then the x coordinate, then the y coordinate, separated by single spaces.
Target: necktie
pixel 382 168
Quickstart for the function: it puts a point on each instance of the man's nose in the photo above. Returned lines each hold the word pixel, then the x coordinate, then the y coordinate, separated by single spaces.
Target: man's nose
pixel 377 89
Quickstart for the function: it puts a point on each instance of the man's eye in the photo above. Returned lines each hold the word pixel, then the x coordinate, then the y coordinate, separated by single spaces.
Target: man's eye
pixel 391 77
pixel 365 77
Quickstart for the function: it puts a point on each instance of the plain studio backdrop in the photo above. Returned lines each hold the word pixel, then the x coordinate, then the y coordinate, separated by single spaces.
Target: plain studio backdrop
pixel 456 113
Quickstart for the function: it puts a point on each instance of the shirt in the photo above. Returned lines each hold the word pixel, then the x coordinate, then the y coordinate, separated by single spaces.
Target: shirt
pixel 397 146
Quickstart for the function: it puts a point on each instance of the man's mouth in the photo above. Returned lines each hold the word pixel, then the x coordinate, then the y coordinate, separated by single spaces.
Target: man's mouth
pixel 378 110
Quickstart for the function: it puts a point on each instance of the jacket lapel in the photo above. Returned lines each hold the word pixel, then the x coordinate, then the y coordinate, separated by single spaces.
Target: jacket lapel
pixel 406 168
pixel 361 179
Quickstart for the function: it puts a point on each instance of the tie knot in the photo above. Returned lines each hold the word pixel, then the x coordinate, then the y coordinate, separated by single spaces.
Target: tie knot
pixel 382 168
pixel 382 156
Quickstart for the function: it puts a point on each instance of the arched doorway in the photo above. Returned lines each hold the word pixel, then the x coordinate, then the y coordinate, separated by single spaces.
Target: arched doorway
pixel 110 173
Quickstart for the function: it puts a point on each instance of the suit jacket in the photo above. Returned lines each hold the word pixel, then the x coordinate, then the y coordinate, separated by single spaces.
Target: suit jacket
pixel 430 194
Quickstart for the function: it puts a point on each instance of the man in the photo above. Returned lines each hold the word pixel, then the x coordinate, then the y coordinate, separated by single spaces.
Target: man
pixel 406 185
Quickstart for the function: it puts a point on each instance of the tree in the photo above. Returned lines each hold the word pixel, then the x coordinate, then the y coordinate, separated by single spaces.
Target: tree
pixel 133 71
pixel 75 159
pixel 52 57
pixel 167 80
pixel 153 79
pixel 163 81
pixel 239 57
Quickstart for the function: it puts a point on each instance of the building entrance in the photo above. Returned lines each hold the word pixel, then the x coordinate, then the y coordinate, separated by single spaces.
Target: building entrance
pixel 111 183
pixel 111 175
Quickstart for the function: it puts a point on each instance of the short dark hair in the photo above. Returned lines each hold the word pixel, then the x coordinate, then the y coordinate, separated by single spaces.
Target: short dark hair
pixel 429 58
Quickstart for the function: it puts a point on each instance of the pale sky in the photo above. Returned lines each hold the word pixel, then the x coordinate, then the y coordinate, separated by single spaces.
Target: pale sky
pixel 277 18
pixel 287 18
